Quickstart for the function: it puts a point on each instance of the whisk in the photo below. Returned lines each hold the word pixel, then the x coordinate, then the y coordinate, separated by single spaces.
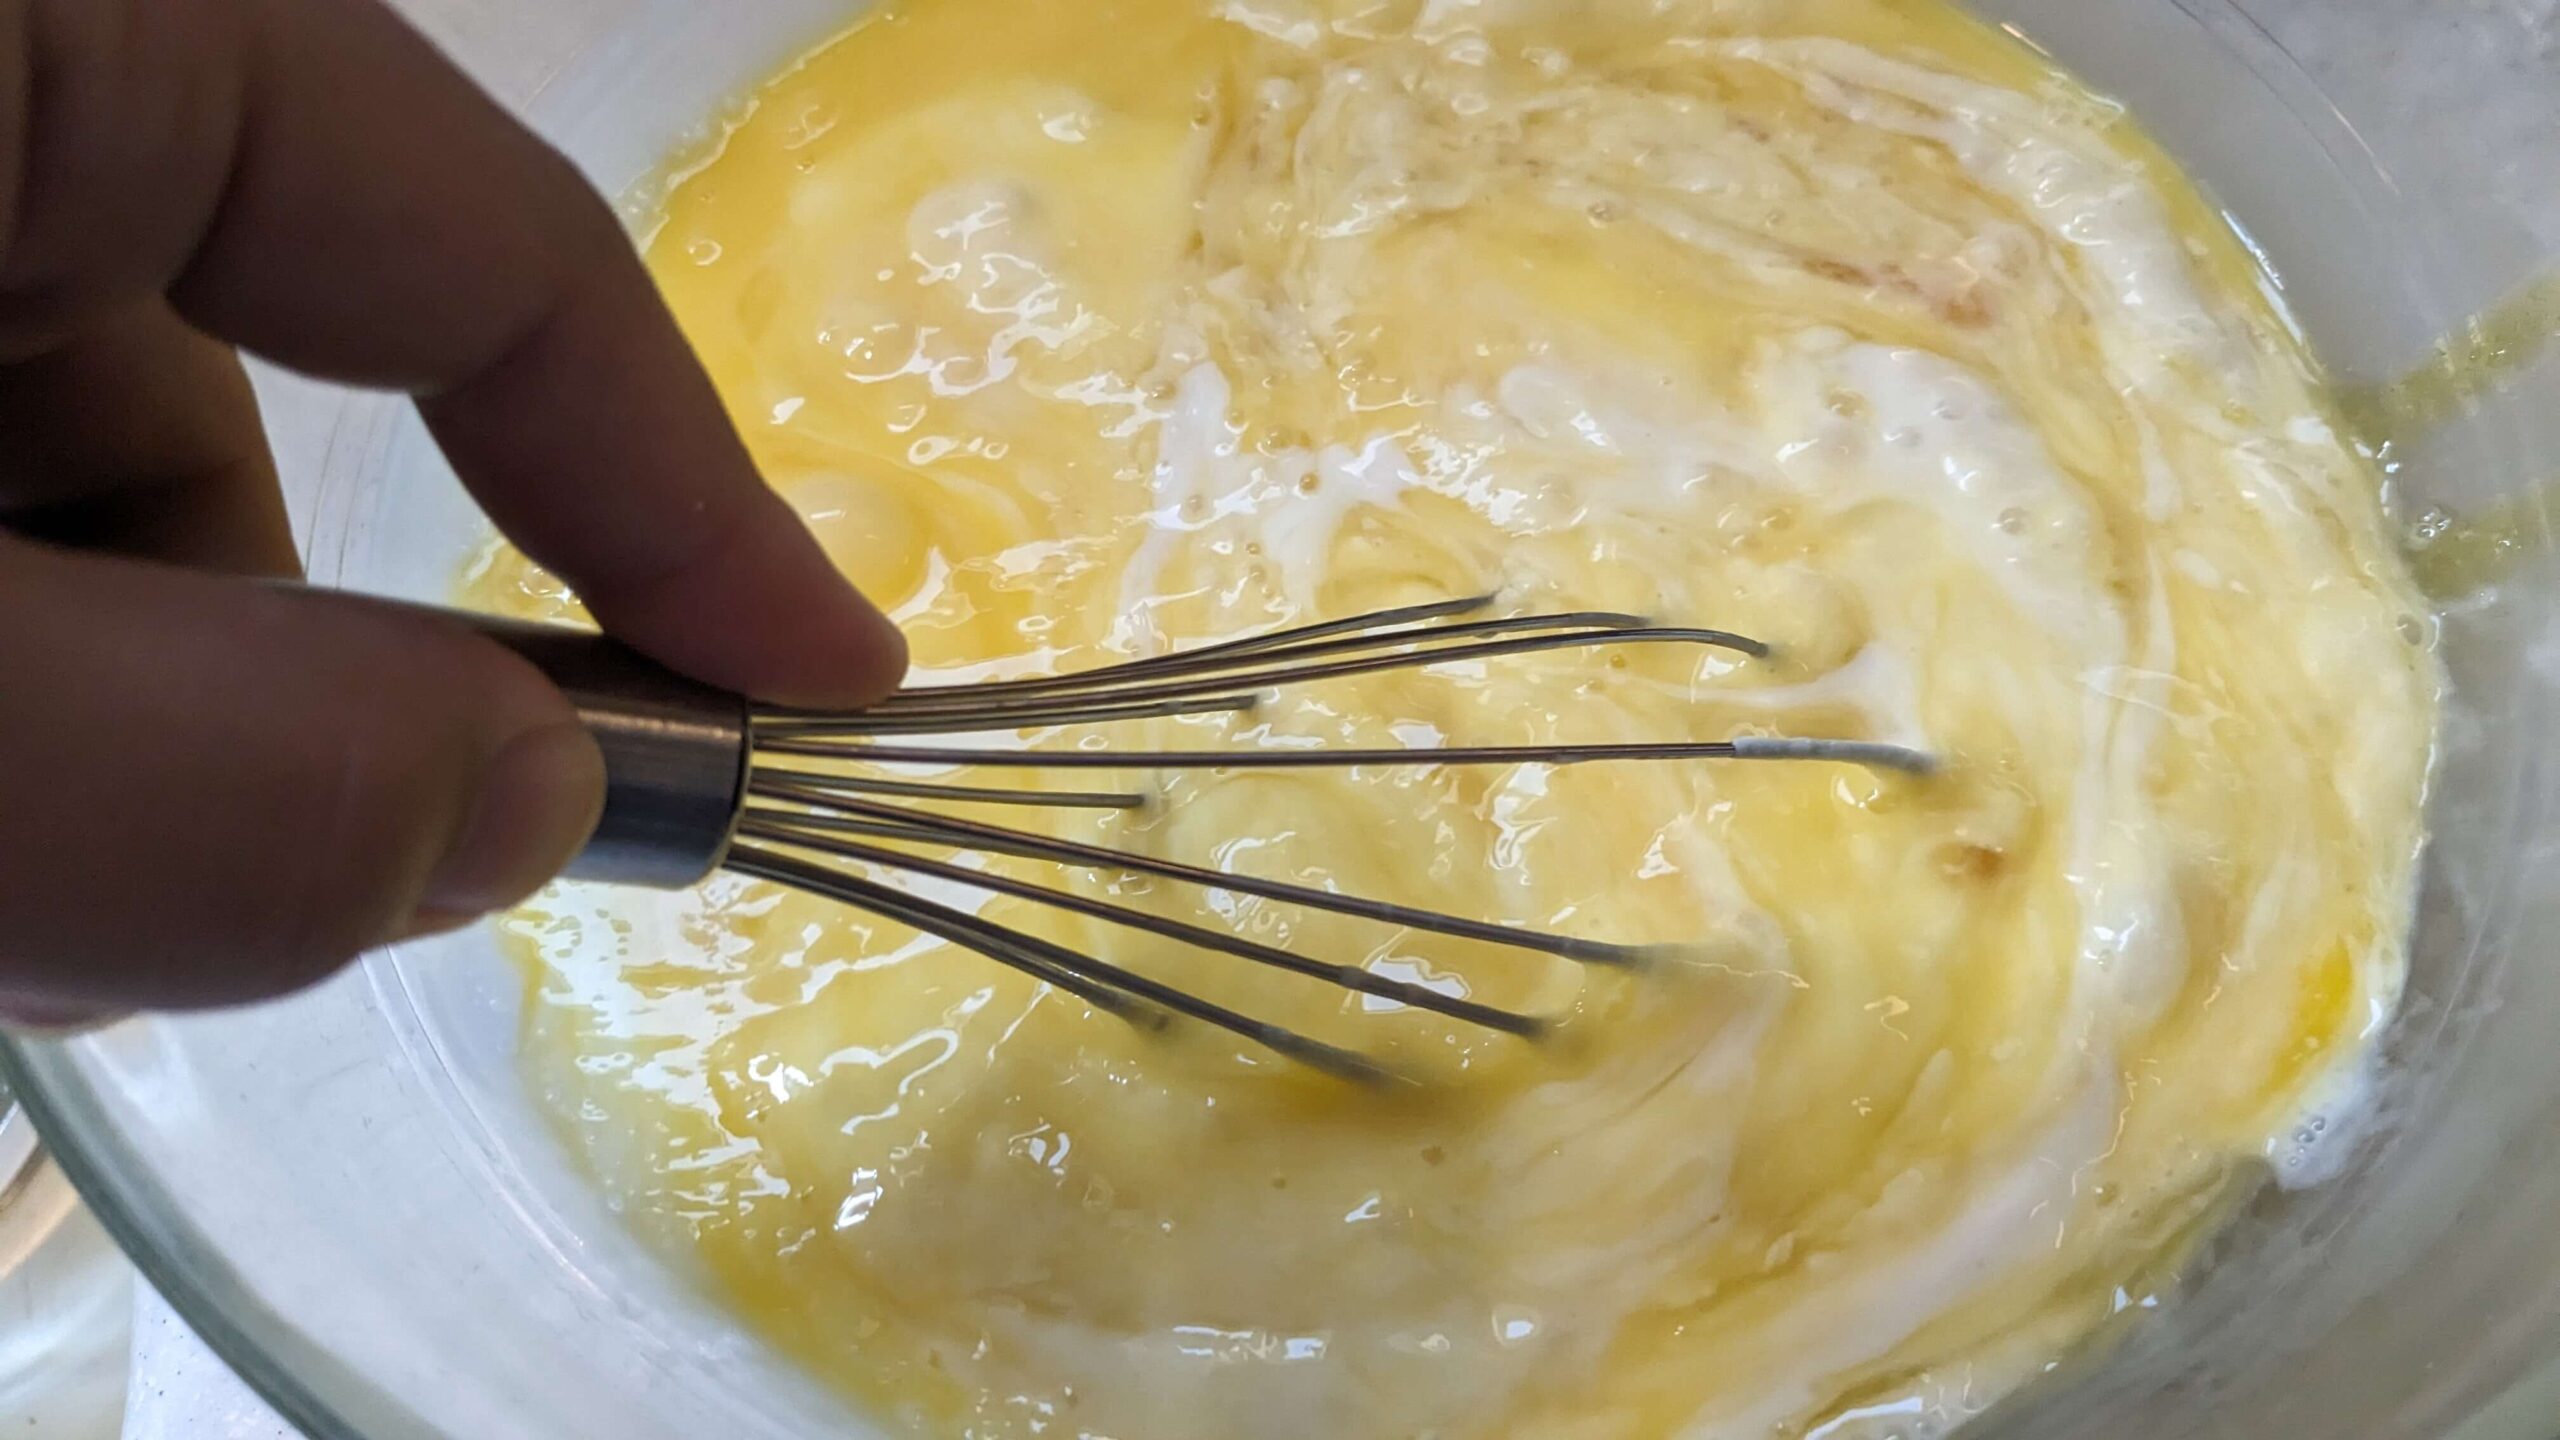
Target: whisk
pixel 699 780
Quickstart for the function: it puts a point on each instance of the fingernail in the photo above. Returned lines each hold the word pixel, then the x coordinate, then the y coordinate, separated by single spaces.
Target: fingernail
pixel 51 1019
pixel 539 800
pixel 427 923
pixel 890 644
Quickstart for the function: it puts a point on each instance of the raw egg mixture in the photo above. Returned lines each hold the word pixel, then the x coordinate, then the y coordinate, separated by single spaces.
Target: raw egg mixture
pixel 1080 331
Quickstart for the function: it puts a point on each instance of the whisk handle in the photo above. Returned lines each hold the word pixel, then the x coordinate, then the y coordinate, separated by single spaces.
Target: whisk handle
pixel 675 754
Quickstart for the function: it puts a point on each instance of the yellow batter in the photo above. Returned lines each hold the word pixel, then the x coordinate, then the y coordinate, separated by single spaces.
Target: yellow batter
pixel 1082 329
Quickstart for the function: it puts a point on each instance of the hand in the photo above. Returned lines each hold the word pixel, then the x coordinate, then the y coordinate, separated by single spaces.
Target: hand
pixel 213 789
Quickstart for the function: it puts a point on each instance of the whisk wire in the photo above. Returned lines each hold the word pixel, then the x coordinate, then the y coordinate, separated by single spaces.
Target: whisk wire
pixel 838 813
pixel 1176 687
pixel 850 820
pixel 773 827
pixel 1029 954
pixel 1065 710
pixel 1107 986
pixel 962 794
pixel 1850 752
pixel 1383 627
pixel 1216 660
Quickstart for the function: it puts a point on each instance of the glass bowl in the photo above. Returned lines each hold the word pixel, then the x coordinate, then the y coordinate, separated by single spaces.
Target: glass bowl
pixel 351 1197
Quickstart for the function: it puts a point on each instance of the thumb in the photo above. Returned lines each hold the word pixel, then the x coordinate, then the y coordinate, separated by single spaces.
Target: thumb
pixel 215 791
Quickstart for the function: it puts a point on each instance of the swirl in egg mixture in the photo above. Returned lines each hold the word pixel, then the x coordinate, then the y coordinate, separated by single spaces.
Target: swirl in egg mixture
pixel 1082 330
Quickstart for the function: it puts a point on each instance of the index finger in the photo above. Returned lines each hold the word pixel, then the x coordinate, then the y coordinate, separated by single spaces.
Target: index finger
pixel 362 212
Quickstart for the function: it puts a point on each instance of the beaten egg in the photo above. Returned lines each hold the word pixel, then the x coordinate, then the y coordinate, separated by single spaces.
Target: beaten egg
pixel 1080 332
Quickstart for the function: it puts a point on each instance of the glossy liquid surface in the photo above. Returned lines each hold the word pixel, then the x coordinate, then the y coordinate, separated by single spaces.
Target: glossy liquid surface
pixel 1083 330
